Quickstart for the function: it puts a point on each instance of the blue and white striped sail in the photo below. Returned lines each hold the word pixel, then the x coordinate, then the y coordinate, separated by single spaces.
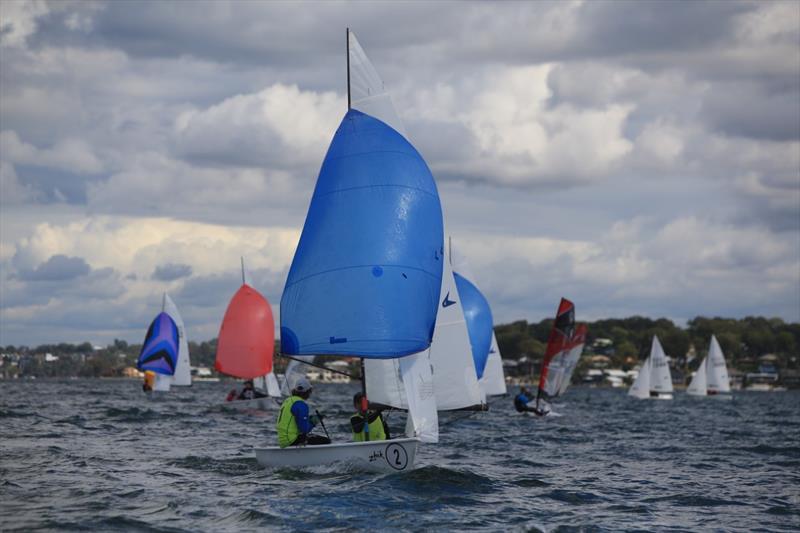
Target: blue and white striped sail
pixel 367 271
pixel 479 321
pixel 160 349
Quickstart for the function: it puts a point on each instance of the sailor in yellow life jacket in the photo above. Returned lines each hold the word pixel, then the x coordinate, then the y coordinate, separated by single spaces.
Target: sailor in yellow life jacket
pixel 294 424
pixel 378 430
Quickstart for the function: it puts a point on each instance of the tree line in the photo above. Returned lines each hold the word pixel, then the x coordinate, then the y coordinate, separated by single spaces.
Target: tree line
pixel 743 341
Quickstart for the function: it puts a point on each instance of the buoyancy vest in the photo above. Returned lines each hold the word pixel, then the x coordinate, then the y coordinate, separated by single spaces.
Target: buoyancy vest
pixel 286 424
pixel 376 431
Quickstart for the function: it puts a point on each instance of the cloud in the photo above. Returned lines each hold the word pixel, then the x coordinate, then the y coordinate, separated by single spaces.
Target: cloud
pixel 74 155
pixel 57 268
pixel 171 272
pixel 279 127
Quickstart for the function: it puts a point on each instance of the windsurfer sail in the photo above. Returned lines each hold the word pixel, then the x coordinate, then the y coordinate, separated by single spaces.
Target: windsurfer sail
pixel 558 344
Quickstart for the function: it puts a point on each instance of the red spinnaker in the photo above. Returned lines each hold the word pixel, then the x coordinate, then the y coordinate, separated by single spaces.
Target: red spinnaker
pixel 560 337
pixel 247 336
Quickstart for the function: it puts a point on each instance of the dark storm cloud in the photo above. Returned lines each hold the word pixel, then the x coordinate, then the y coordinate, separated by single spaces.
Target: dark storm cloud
pixel 57 268
pixel 171 272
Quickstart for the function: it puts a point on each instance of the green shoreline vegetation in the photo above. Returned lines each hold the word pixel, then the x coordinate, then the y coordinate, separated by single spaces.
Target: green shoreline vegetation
pixel 616 343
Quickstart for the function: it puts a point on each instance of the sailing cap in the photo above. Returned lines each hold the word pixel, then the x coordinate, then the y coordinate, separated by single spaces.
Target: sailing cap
pixel 302 385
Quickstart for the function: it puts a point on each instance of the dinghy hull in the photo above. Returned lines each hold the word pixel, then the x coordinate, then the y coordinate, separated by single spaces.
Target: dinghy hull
pixel 261 404
pixel 395 455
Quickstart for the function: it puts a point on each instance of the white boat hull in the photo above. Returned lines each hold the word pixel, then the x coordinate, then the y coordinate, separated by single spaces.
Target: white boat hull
pixel 394 455
pixel 260 404
pixel 661 396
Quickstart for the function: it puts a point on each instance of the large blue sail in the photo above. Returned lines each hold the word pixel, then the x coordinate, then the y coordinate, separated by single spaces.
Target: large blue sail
pixel 160 349
pixel 367 272
pixel 479 321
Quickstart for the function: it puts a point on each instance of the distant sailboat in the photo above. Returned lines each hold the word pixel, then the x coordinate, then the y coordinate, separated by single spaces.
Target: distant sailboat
pixel 182 374
pixel 564 363
pixel 159 352
pixel 654 379
pixel 711 378
pixel 367 273
pixel 559 348
pixel 247 343
pixel 483 343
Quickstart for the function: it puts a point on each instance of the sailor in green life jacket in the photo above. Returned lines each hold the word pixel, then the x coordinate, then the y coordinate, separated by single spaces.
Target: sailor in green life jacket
pixel 378 430
pixel 294 424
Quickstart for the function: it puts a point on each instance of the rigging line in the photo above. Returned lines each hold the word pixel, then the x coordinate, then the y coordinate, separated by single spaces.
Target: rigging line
pixel 351 376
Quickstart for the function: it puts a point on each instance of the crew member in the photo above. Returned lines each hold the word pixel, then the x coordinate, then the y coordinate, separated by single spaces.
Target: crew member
pixel 521 401
pixel 378 430
pixel 294 424
pixel 249 392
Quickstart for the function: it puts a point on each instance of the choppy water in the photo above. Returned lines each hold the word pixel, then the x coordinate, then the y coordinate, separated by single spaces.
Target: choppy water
pixel 95 454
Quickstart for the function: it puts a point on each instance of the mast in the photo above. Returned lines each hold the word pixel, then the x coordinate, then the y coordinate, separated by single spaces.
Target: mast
pixel 364 401
pixel 164 302
pixel 243 281
pixel 348 70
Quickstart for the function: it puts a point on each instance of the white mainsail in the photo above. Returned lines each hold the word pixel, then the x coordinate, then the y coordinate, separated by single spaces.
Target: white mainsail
pixel 367 91
pixel 699 384
pixel 423 420
pixel 660 377
pixel 641 385
pixel 718 380
pixel 493 382
pixel 183 370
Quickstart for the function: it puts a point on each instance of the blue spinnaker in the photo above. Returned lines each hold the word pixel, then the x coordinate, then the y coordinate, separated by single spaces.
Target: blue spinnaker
pixel 160 349
pixel 367 271
pixel 479 321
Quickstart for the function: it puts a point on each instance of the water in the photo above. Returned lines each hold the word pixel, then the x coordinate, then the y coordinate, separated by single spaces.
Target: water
pixel 95 454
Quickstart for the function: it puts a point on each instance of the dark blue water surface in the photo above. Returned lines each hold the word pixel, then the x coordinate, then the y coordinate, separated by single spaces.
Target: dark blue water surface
pixel 95 454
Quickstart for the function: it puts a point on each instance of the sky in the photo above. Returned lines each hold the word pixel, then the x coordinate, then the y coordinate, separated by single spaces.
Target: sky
pixel 639 158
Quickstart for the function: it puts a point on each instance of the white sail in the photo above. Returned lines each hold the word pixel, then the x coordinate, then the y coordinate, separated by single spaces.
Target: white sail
pixel 384 382
pixel 450 356
pixel 367 91
pixel 493 381
pixel 660 377
pixel 162 382
pixel 295 370
pixel 718 380
pixel 641 385
pixel 423 421
pixel 454 376
pixel 183 370
pixel 273 389
pixel 570 363
pixel 699 384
